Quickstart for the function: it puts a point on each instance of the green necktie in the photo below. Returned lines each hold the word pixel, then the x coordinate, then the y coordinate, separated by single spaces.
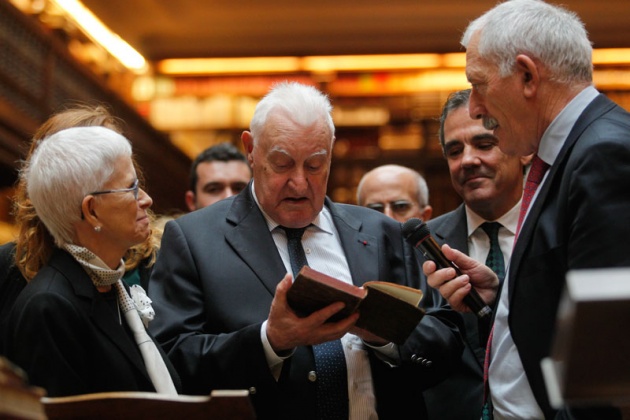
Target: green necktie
pixel 495 257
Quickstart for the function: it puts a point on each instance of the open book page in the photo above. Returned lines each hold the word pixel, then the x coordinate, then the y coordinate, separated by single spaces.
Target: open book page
pixel 408 294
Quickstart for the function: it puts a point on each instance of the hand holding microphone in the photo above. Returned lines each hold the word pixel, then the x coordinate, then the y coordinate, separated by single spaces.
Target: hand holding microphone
pixel 417 233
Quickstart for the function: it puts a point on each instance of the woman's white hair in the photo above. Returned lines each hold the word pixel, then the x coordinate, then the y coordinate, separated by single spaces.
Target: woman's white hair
pixel 303 104
pixel 551 34
pixel 65 168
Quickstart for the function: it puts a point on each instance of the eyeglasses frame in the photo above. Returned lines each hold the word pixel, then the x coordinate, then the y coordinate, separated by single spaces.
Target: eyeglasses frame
pixel 380 207
pixel 135 188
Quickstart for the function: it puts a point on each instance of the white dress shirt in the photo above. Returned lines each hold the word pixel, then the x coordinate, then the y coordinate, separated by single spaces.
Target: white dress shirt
pixel 324 253
pixel 478 241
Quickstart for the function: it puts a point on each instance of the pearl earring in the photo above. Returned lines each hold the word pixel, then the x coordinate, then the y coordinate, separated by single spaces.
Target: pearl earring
pixel 97 229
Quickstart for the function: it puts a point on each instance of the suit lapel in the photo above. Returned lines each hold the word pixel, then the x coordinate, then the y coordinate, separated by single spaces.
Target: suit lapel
pixel 599 106
pixel 361 249
pixel 101 314
pixel 251 240
pixel 453 230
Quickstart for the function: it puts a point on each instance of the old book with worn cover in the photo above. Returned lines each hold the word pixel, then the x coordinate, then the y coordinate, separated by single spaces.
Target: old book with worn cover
pixel 387 310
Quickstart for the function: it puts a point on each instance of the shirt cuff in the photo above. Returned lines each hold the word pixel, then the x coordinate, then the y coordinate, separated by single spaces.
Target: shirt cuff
pixel 273 360
pixel 388 353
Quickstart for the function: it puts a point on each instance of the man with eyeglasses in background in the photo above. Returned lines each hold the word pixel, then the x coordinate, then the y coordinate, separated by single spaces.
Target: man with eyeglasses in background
pixel 399 192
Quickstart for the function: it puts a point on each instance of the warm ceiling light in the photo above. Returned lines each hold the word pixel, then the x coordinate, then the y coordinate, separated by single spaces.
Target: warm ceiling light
pixel 193 66
pixel 611 56
pixel 341 63
pixel 314 64
pixel 457 60
pixel 102 35
pixel 332 63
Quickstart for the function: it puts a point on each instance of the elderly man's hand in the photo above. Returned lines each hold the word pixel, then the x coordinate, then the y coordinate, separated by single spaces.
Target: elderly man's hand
pixel 454 289
pixel 286 330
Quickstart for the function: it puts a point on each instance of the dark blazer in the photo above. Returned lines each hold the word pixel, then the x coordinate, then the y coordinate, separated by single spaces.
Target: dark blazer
pixel 11 283
pixel 212 288
pixel 581 219
pixel 68 339
pixel 460 396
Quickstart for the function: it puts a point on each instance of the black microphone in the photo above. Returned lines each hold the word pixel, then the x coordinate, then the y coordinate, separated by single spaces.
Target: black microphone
pixel 417 233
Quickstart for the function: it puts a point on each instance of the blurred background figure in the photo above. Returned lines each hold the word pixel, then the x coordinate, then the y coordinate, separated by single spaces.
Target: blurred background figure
pixel 399 192
pixel 218 172
pixel 75 328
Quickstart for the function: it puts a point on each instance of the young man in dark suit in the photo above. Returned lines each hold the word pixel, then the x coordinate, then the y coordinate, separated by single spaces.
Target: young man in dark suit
pixel 491 185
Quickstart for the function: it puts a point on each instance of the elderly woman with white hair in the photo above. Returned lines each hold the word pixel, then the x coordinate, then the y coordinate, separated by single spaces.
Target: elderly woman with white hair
pixel 76 328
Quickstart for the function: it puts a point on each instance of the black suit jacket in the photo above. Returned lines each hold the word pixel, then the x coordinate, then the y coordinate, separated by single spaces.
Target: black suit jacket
pixel 11 284
pixel 68 339
pixel 212 288
pixel 460 396
pixel 581 219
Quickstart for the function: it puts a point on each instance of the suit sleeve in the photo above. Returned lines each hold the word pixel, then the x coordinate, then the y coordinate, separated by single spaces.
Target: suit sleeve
pixel 599 203
pixel 434 348
pixel 51 329
pixel 437 341
pixel 204 359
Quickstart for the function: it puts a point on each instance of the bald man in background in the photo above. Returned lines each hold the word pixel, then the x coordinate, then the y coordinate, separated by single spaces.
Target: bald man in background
pixel 399 192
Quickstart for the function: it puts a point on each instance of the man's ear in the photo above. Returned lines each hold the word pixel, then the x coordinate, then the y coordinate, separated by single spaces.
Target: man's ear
pixel 190 200
pixel 529 74
pixel 427 213
pixel 526 160
pixel 248 143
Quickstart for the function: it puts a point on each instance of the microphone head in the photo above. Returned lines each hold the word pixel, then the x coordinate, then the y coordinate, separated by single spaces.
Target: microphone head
pixel 415 230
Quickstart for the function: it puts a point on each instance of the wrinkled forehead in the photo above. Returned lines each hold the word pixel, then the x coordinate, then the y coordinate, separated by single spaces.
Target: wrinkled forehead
pixel 288 136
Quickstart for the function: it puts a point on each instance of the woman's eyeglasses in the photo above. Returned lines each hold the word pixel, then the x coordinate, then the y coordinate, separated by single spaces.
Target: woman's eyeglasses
pixel 134 189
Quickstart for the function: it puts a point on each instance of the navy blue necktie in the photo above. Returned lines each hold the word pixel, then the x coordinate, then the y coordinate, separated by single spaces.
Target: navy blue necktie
pixel 330 361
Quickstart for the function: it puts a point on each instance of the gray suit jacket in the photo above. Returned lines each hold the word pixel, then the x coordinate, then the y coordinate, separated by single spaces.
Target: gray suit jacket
pixel 212 288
